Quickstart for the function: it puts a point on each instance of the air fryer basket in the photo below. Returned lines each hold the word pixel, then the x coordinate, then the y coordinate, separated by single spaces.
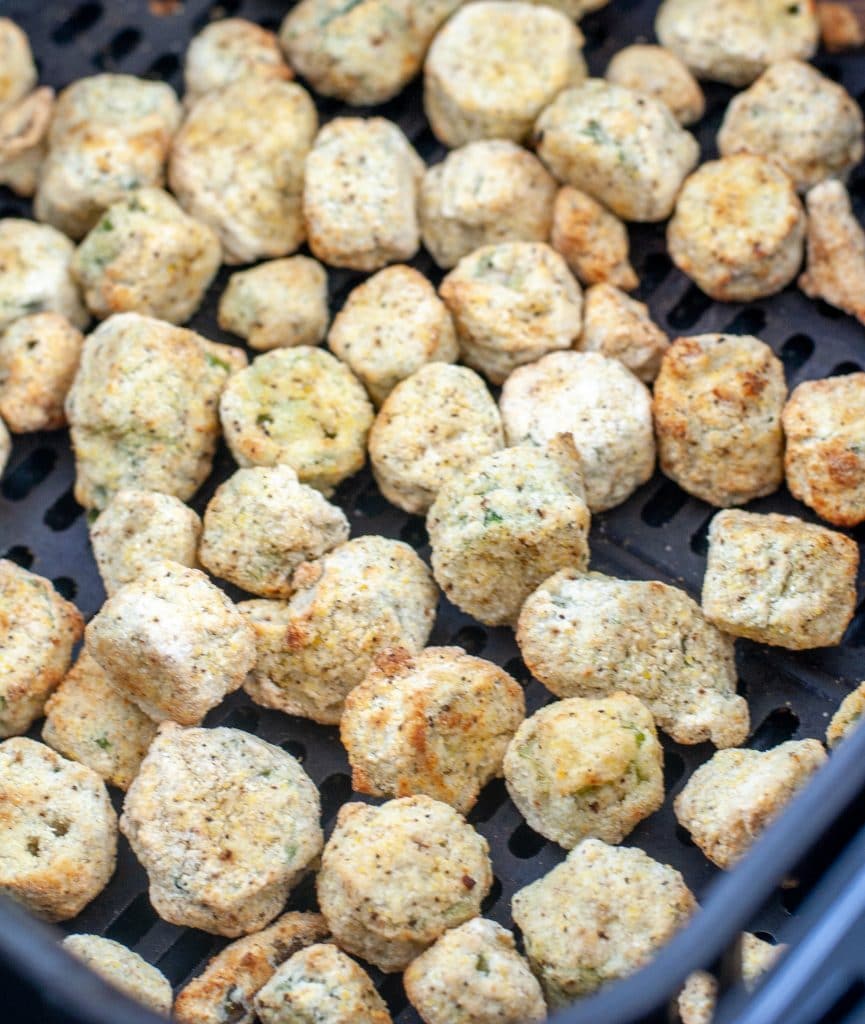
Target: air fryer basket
pixel 659 533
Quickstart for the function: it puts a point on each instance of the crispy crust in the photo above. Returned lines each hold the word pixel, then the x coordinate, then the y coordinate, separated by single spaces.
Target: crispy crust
pixel 659 73
pixel 227 50
pixel 123 969
pixel 846 718
pixel 593 241
pixel 618 326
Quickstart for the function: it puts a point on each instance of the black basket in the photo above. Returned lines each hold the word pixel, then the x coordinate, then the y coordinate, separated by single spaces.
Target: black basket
pixel 659 533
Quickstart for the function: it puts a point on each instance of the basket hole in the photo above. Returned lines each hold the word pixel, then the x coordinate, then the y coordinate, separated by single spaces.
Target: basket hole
pixel 796 351
pixel 684 836
pixel 29 474
pixel 393 993
pixel 767 937
pixel 491 799
pixel 525 843
pixel 65 587
pixel 413 532
pixel 665 503
pixel 164 68
pixel 777 727
pixel 334 792
pixel 63 513
pixel 746 321
pixel 118 49
pixel 134 922
pixel 295 748
pixel 700 537
pixel 20 555
pixel 827 311
pixel 473 639
pixel 185 955
pixel 833 71
pixel 83 18
pixel 847 366
pixel 674 768
pixel 596 34
pixel 688 310
pixel 517 668
pixel 371 503
pixel 492 897
pixel 656 267
pixel 244 718
pixel 855 635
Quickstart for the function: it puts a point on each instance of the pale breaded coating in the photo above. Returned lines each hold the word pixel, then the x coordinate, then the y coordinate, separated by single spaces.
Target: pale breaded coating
pixel 729 801
pixel 734 41
pixel 24 140
pixel 5 446
pixel 824 423
pixel 483 78
pixel 225 826
pixel 717 408
pixel 661 74
pixel 58 831
pixel 601 915
pixel 512 303
pixel 145 255
pixel 37 276
pixel 110 134
pixel 139 527
pixel 362 598
pixel 738 230
pixel 600 404
pixel 237 165
pixel 18 75
pixel 618 326
pixel 172 643
pixel 38 630
pixel 226 987
pixel 390 326
pixel 474 975
pixel 320 985
pixel 123 969
pixel 39 355
pixel 836 250
pixel 87 720
pixel 436 723
pixel 485 193
pixel 142 410
pixel 228 50
pixel 261 524
pixel 697 1000
pixel 846 718
pixel 277 304
pixel 360 194
pixel 298 407
pixel 506 524
pixel 840 28
pixel 623 148
pixel 590 635
pixel 363 53
pixel 432 427
pixel 573 8
pixel 394 878
pixel 806 123
pixel 593 241
pixel 580 768
pixel 779 580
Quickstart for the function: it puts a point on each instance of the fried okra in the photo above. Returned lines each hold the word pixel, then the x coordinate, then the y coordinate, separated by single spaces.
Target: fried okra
pixel 623 148
pixel 512 303
pixel 145 255
pixel 18 76
pixel 717 407
pixel 573 8
pixel 840 29
pixel 483 78
pixel 474 975
pixel 779 580
pixel 58 831
pixel 436 722
pixel 506 524
pixel 87 720
pixel 395 878
pixel 836 250
pixel 661 74
pixel 432 426
pixel 580 768
pixel 731 799
pixel 697 1000
pixel 590 635
pixel 320 985
pixel 38 630
pixel 846 718
pixel 360 599
pixel 228 50
pixel 363 53
pixel 277 304
pixel 137 528
pixel 227 986
pixel 593 241
pixel 734 41
pixel 237 165
pixel 360 194
pixel 123 969
pixel 485 193
pixel 110 135
pixel 262 523
pixel 37 277
pixel 600 404
pixel 172 643
pixel 225 826
pixel 299 407
pixel 24 140
pixel 738 229
pixel 390 326
pixel 618 326
pixel 806 123
pixel 39 355
pixel 824 423
pixel 142 410
pixel 601 915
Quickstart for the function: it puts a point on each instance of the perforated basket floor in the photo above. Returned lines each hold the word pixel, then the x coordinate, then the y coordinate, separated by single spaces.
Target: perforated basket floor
pixel 660 533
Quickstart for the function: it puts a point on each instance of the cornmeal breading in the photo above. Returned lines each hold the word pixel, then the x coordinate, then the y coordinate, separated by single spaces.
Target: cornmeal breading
pixel 123 969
